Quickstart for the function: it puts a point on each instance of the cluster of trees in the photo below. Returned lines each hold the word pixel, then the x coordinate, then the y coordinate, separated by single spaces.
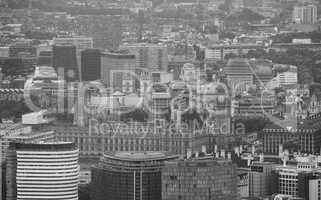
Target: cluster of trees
pixel 16 66
pixel 192 115
pixel 142 115
pixel 174 13
pixel 288 37
pixel 138 114
pixel 252 124
pixel 42 4
pixel 307 61
pixel 17 4
pixel 39 35
pixel 12 110
pixel 245 15
pixel 228 35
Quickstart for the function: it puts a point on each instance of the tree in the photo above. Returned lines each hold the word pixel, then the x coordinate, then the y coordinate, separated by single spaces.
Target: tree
pixel 245 15
pixel 228 35
pixel 307 62
pixel 258 53
pixel 17 4
pixel 138 114
pixel 193 115
pixel 226 6
pixel 252 124
pixel 230 55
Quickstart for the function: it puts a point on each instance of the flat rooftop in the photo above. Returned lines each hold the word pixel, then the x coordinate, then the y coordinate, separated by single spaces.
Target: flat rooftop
pixel 139 156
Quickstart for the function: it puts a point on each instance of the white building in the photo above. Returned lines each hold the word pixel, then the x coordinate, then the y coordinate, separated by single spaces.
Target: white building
pixel 213 54
pixel 314 189
pixel 287 78
pixel 42 171
pixel 18 133
pixel 149 56
pixel 188 73
pixel 39 117
pixel 293 177
pixel 305 14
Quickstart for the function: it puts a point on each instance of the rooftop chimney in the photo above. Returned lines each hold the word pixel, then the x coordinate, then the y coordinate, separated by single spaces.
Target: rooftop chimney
pixel 229 156
pixel 253 150
pixel 280 150
pixel 217 155
pixel 223 153
pixel 189 153
pixel 204 149
pixel 261 158
pixel 179 118
pixel 237 151
pixel 285 157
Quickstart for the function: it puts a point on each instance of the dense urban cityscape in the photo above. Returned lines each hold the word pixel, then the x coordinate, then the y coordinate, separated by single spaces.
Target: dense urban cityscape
pixel 160 99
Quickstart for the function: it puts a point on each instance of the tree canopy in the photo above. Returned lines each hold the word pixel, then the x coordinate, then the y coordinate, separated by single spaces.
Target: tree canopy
pixel 245 15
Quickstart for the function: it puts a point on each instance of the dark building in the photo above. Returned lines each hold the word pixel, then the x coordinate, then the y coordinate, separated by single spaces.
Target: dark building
pixel 22 49
pixel 260 178
pixel 45 58
pixel 90 64
pixel 116 68
pixel 64 57
pixel 129 176
pixel 17 66
pixel 18 83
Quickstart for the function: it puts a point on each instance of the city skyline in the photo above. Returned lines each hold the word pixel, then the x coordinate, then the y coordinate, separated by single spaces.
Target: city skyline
pixel 158 99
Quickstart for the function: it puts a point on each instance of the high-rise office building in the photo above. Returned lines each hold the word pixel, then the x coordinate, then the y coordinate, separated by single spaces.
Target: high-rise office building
pixel 159 105
pixel 127 176
pixel 18 133
pixel 149 56
pixel 90 64
pixel 305 14
pixel 21 133
pixel 315 189
pixel 260 179
pixel 42 171
pixel 200 178
pixel 64 58
pixel 294 180
pixel 45 58
pixel 80 42
pixel 115 67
